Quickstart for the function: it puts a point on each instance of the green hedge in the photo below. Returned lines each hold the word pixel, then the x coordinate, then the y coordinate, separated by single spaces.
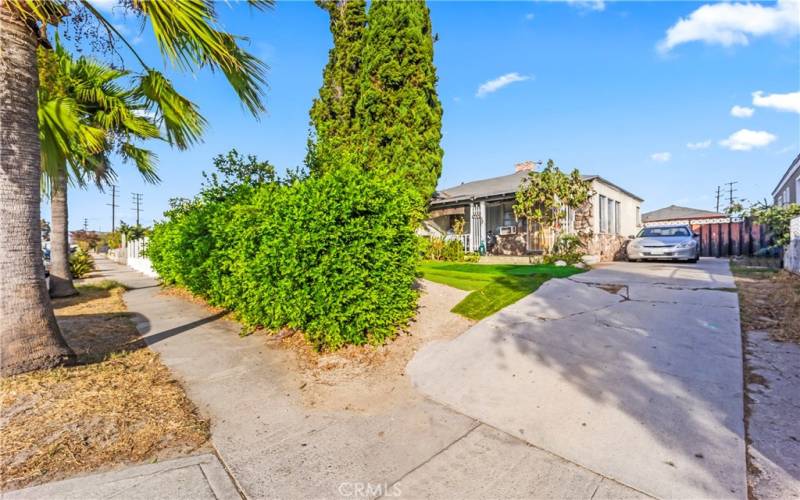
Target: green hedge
pixel 334 256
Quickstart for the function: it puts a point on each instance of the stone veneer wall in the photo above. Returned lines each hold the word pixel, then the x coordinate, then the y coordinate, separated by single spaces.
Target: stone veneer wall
pixel 791 257
pixel 606 246
pixel 510 244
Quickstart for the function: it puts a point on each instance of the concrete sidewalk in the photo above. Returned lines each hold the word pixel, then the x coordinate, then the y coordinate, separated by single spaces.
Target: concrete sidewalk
pixel 275 447
pixel 633 371
pixel 198 478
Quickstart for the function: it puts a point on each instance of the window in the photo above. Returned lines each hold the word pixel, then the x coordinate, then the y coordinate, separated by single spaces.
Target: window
pixel 601 213
pixel 616 217
pixel 638 216
pixel 611 219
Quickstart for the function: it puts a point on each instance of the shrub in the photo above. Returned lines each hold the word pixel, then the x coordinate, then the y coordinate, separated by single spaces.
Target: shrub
pixel 567 247
pixel 334 255
pixel 80 264
pixel 436 248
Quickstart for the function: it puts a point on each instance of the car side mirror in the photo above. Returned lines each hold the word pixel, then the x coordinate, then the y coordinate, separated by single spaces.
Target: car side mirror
pixel 696 235
pixel 631 237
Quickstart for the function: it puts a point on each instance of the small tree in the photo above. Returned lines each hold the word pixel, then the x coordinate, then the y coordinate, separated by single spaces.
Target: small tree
pixel 543 197
pixel 778 218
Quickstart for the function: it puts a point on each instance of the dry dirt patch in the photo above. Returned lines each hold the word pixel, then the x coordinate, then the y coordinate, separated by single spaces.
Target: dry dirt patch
pixel 371 379
pixel 769 301
pixel 119 408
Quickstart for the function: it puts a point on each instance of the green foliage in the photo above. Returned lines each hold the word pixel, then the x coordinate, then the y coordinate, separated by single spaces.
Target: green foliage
pixel 493 286
pixel 568 247
pixel 398 112
pixel 778 218
pixel 435 248
pixel 333 255
pixel 132 232
pixel 378 105
pixel 544 196
pixel 113 239
pixel 80 264
pixel 333 112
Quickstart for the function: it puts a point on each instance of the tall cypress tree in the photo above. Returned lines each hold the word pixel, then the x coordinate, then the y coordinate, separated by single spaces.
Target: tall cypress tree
pixel 398 113
pixel 333 112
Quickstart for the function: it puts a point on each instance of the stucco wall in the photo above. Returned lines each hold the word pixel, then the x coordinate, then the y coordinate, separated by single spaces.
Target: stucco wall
pixel 629 225
pixel 791 259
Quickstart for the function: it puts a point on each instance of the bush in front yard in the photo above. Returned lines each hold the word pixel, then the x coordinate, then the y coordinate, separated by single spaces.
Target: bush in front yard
pixel 80 264
pixel 333 256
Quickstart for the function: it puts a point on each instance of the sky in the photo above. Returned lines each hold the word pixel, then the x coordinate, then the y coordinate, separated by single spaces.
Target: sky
pixel 666 99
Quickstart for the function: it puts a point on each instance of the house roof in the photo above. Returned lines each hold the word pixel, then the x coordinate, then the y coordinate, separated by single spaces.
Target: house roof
pixel 674 212
pixel 789 172
pixel 498 186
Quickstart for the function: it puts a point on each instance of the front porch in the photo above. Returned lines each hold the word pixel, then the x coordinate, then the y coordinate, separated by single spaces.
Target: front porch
pixel 491 226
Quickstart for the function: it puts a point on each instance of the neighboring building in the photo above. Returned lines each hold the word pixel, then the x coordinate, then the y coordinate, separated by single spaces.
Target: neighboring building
pixel 788 189
pixel 486 206
pixel 674 214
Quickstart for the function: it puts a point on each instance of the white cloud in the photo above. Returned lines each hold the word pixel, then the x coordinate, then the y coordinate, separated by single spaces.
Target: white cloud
pixel 745 140
pixel 699 145
pixel 500 82
pixel 529 16
pixel 781 102
pixel 105 5
pixel 730 24
pixel 596 5
pixel 742 111
pixel 661 157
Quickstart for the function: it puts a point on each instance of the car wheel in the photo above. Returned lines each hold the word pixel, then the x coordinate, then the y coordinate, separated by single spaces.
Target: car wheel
pixel 693 260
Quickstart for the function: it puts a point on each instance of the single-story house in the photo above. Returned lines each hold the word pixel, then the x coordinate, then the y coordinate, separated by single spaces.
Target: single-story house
pixel 675 214
pixel 788 189
pixel 486 209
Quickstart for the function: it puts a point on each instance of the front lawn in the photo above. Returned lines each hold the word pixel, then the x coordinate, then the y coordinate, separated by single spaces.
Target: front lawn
pixel 493 286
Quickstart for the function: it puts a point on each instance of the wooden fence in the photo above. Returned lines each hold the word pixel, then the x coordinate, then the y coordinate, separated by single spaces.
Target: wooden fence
pixel 732 238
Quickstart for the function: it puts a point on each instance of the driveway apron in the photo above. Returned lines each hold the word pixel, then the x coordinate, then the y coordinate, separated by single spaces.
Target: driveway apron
pixel 633 371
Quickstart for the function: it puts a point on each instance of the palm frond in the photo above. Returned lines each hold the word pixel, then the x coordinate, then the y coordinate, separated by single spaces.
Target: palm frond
pixel 145 160
pixel 180 117
pixel 186 34
pixel 46 11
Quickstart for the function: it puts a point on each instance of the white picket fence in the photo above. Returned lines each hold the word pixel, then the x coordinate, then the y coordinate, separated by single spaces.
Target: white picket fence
pixel 791 257
pixel 131 254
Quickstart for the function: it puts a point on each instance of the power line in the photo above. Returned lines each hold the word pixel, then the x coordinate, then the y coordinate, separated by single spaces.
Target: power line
pixel 137 199
pixel 113 206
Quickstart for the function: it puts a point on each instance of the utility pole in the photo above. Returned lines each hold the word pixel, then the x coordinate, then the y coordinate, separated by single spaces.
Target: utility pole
pixel 730 191
pixel 717 199
pixel 85 225
pixel 113 206
pixel 137 199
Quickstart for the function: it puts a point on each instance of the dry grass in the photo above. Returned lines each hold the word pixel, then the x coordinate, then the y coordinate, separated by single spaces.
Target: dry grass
pixel 124 407
pixel 769 301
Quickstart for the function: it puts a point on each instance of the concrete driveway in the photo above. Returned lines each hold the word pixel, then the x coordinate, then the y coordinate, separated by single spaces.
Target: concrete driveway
pixel 633 371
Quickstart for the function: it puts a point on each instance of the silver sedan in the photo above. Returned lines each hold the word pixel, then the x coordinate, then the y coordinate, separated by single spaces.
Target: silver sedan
pixel 664 243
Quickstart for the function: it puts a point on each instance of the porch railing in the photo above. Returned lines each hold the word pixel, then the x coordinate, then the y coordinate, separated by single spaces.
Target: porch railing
pixel 463 238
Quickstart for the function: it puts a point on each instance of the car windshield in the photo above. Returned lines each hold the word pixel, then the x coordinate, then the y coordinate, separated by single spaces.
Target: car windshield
pixel 661 232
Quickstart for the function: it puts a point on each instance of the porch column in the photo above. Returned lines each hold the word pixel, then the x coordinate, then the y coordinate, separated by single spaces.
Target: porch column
pixel 483 228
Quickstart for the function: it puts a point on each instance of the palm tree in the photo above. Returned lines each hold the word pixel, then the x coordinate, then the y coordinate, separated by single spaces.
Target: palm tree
pixel 100 115
pixel 186 32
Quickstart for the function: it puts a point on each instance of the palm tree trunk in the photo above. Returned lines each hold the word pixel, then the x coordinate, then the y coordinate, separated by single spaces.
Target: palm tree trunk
pixel 29 335
pixel 60 276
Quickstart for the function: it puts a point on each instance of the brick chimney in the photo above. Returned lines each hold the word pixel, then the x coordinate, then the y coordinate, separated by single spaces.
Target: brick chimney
pixel 525 166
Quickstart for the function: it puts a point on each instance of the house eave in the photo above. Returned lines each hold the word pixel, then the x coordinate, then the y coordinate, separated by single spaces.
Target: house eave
pixel 787 175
